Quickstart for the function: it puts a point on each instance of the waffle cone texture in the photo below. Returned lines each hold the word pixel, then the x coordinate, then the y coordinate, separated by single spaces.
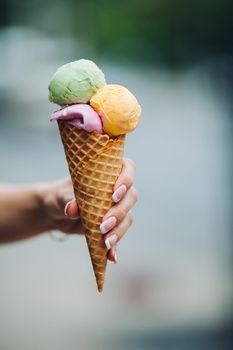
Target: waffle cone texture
pixel 95 162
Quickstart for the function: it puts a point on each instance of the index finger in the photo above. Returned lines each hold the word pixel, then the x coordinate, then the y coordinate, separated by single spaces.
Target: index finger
pixel 127 174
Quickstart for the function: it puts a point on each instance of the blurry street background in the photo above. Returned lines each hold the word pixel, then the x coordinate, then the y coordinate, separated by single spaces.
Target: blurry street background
pixel 172 287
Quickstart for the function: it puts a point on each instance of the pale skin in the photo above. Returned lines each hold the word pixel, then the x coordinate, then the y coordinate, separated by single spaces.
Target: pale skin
pixel 29 210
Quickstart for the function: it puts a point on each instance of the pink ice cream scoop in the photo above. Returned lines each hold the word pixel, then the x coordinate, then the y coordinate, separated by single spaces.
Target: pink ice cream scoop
pixel 82 116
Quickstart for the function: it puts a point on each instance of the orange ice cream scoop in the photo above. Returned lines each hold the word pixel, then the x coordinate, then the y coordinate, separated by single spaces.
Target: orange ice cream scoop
pixel 118 109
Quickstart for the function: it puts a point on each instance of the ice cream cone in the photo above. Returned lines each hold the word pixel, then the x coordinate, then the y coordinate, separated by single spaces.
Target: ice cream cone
pixel 95 162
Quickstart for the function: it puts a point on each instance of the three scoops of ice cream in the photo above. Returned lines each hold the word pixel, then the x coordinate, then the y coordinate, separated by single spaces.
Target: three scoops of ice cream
pixel 89 103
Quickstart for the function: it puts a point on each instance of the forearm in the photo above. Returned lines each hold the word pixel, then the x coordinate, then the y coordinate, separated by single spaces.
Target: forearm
pixel 22 213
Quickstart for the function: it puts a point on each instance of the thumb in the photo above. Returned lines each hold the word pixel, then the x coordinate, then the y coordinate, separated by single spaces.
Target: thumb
pixel 71 209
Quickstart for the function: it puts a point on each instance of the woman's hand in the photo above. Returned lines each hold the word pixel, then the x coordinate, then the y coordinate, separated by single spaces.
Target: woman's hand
pixel 62 210
pixel 60 207
pixel 119 218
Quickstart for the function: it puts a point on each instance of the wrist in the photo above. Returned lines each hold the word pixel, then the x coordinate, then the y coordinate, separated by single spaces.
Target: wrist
pixel 42 197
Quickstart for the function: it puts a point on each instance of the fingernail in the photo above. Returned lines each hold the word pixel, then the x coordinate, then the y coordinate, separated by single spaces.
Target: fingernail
pixel 108 224
pixel 111 241
pixel 66 207
pixel 119 193
pixel 115 258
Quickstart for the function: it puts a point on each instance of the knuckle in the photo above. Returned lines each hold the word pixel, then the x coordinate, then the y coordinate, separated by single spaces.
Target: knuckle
pixel 67 181
pixel 132 163
pixel 130 217
pixel 128 181
pixel 134 194
pixel 120 231
pixel 120 214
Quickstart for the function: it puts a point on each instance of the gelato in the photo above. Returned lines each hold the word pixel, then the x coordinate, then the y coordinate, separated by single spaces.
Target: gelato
pixel 75 82
pixel 118 109
pixel 82 116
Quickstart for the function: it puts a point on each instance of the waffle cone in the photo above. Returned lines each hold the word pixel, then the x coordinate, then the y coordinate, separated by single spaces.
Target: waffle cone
pixel 95 162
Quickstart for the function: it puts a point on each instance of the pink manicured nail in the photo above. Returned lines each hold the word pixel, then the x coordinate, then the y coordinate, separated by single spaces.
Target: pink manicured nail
pixel 119 193
pixel 115 257
pixel 111 241
pixel 108 224
pixel 66 207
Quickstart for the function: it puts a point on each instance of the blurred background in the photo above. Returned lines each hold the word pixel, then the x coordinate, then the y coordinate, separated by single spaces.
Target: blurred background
pixel 172 287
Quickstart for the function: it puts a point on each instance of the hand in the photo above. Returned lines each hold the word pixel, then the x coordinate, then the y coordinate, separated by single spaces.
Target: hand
pixel 62 209
pixel 119 218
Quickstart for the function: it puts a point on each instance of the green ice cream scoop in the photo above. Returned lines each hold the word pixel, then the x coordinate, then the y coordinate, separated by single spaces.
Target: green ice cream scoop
pixel 75 82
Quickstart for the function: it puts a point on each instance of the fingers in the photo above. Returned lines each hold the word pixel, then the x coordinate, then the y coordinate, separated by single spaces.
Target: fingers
pixel 119 210
pixel 125 180
pixel 114 236
pixel 66 202
pixel 69 224
pixel 62 207
pixel 64 190
pixel 71 209
pixel 60 194
pixel 112 255
pixel 119 217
